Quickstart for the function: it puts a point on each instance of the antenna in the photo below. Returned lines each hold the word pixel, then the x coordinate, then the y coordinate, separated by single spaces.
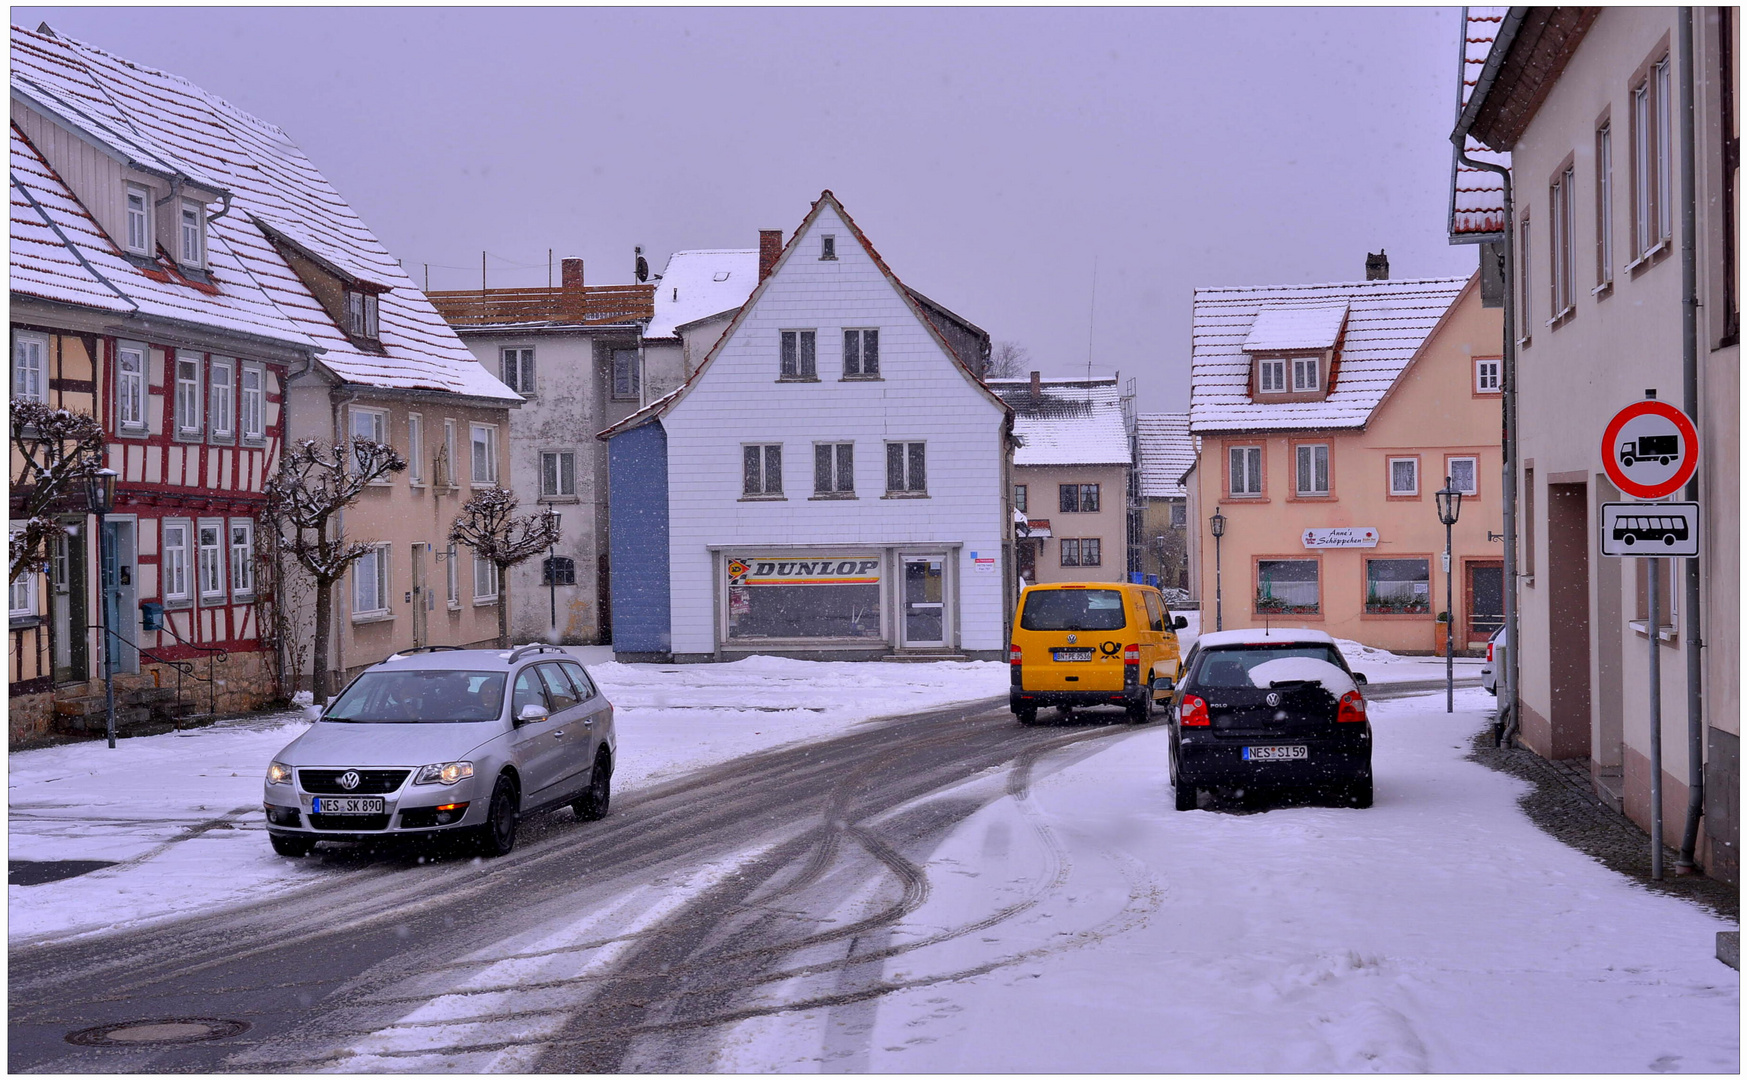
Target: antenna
pixel 1091 327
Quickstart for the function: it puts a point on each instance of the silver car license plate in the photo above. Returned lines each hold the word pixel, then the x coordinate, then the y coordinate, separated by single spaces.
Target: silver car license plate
pixel 1063 656
pixel 346 806
pixel 1276 753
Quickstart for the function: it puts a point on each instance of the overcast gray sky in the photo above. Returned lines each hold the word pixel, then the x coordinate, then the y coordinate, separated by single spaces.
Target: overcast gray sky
pixel 994 156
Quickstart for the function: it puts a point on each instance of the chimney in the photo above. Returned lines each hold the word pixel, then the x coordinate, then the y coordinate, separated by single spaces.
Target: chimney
pixel 1376 267
pixel 770 245
pixel 571 306
pixel 1036 386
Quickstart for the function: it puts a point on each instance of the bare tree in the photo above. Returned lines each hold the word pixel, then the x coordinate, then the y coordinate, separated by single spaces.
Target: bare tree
pixel 315 482
pixel 1007 360
pixel 54 452
pixel 487 524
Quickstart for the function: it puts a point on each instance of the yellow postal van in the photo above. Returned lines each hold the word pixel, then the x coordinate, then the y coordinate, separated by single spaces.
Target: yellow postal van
pixel 1091 644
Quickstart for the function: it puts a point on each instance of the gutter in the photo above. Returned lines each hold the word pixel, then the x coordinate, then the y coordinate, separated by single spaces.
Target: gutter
pixel 1695 749
pixel 1507 32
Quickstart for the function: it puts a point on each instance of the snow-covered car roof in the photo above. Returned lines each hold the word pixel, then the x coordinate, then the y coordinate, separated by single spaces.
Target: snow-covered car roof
pixel 1257 635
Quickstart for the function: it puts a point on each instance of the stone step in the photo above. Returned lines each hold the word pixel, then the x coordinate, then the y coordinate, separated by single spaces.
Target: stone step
pixel 127 720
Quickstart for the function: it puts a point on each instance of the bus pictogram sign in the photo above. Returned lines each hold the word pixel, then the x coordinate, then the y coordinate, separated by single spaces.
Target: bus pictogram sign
pixel 1650 449
pixel 1650 530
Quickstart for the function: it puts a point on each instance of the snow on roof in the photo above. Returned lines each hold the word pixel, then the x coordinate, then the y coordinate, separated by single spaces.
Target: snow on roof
pixel 1316 327
pixel 201 135
pixel 1167 451
pixel 1275 635
pixel 1387 321
pixel 1477 195
pixel 697 284
pixel 1073 422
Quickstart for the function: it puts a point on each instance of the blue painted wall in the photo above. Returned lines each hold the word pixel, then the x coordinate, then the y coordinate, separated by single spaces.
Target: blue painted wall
pixel 637 539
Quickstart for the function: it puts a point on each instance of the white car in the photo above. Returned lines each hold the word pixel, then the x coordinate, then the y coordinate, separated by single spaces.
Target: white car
pixel 1495 652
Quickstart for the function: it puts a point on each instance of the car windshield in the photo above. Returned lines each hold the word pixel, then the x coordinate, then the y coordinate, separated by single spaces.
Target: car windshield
pixel 1231 666
pixel 1073 609
pixel 420 697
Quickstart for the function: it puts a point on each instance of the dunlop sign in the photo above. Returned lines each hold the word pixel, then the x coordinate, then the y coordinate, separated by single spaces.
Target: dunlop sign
pixel 816 570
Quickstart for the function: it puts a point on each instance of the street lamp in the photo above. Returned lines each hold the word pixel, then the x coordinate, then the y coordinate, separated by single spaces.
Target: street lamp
pixel 100 499
pixel 1217 524
pixel 1449 508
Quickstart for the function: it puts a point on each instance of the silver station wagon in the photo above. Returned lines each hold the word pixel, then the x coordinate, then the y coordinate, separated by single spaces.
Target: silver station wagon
pixel 446 741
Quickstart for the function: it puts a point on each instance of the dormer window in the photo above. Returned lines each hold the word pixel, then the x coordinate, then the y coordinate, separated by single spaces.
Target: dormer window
pixel 1272 376
pixel 193 234
pixel 139 220
pixel 1306 375
pixel 361 315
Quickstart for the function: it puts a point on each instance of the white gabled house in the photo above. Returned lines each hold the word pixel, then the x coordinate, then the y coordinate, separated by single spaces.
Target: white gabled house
pixel 833 480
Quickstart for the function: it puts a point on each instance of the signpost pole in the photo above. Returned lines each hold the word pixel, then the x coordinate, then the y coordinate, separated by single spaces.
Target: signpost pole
pixel 1654 628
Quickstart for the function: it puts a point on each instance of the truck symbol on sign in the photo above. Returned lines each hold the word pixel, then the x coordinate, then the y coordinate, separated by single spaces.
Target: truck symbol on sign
pixel 1664 448
pixel 1669 530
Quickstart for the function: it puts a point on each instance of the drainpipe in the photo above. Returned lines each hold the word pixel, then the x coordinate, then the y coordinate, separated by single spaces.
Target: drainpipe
pixel 338 644
pixel 1695 750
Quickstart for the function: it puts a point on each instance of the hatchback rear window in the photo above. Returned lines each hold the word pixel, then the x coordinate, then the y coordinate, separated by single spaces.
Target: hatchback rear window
pixel 420 697
pixel 1073 609
pixel 1231 666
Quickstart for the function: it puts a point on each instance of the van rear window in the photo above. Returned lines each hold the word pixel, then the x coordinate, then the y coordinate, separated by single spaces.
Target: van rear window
pixel 1073 609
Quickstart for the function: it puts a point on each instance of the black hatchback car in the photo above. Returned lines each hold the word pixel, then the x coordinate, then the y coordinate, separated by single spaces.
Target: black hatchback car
pixel 1269 709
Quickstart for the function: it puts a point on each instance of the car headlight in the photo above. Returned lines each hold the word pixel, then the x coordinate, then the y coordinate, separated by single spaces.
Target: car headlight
pixel 448 773
pixel 279 773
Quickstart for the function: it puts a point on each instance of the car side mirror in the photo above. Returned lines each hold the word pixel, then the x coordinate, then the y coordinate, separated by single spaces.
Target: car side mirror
pixel 531 714
pixel 1164 684
pixel 1359 677
pixel 1181 622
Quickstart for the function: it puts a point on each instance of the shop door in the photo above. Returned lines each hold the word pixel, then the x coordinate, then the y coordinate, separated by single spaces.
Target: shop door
pixel 1485 588
pixel 924 600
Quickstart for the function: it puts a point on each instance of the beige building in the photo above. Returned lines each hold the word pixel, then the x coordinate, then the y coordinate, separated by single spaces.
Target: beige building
pixel 1166 451
pixel 1586 103
pixel 1328 416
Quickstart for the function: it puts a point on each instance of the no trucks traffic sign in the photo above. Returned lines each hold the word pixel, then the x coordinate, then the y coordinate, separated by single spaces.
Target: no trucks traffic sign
pixel 1650 449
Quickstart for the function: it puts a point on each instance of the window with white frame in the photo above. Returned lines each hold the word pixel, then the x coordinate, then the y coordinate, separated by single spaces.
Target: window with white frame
pixel 1019 497
pixel 362 315
pixel 861 353
pixel 518 370
pixel 415 449
pixel 187 396
pixel 1652 198
pixel 209 566
pixel 193 233
pixel 452 564
pixel 254 402
pixel 484 579
pixel 1488 375
pixel 1604 204
pixel 130 387
pixel 1562 204
pixel 1464 474
pixel 1404 476
pixel 1312 468
pixel 799 354
pixel 484 441
pixel 1306 374
pixel 369 425
pixel 221 390
pixel 446 460
pixel 761 469
pixel 906 468
pixel 139 220
pixel 173 560
pixel 834 468
pixel 1246 470
pixel 557 473
pixel 1272 376
pixel 627 375
pixel 30 367
pixel 370 581
pixel 21 597
pixel 242 544
pixel 1526 292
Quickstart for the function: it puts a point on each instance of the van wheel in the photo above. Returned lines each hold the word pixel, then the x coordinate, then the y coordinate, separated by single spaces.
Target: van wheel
pixel 1187 797
pixel 1141 711
pixel 1028 717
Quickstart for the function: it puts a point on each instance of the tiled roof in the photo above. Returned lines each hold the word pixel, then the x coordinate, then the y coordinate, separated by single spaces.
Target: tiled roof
pixel 1297 328
pixel 1386 323
pixel 182 126
pixel 1073 422
pixel 1476 195
pixel 697 284
pixel 1167 451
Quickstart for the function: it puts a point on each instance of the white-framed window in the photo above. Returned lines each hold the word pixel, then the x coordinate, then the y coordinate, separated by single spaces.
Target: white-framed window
pixel 173 560
pixel 415 449
pixel 1312 468
pixel 1488 375
pixel 484 442
pixel 254 402
pixel 1464 474
pixel 187 396
pixel 1604 204
pixel 557 473
pixel 21 596
pixel 1306 374
pixel 193 233
pixel 139 220
pixel 828 246
pixel 1562 250
pixel 130 387
pixel 1246 470
pixel 221 389
pixel 1526 291
pixel 1271 376
pixel 761 469
pixel 370 425
pixel 242 551
pixel 799 354
pixel 446 463
pixel 484 580
pixel 30 366
pixel 1020 496
pixel 209 566
pixel 1404 476
pixel 370 581
pixel 1652 198
pixel 453 565
pixel 861 353
pixel 627 375
pixel 1661 74
pixel 517 366
pixel 834 468
pixel 906 468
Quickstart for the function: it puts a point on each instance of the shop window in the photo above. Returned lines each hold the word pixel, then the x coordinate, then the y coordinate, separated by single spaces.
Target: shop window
pixel 1287 587
pixel 1398 586
pixel 815 596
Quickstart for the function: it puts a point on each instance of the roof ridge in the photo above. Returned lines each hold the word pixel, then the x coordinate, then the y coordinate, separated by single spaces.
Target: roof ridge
pixel 1331 285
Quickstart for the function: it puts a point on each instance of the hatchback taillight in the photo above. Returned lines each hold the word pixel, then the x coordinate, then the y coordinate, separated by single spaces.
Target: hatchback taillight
pixel 1193 712
pixel 1489 652
pixel 1352 708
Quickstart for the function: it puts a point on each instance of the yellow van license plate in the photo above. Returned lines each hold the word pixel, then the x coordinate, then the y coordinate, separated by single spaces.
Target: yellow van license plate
pixel 1063 656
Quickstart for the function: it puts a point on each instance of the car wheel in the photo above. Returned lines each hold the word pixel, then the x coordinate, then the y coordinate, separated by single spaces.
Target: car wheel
pixel 1028 717
pixel 1359 792
pixel 593 803
pixel 1187 796
pixel 498 835
pixel 292 847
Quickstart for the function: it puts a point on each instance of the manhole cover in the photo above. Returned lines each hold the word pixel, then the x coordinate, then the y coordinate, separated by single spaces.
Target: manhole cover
pixel 179 1029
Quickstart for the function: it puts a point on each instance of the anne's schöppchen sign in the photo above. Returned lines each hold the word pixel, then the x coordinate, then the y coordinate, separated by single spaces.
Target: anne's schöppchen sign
pixel 804 570
pixel 1348 537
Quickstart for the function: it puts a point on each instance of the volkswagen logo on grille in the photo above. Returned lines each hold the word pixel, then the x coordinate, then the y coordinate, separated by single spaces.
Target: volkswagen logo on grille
pixel 1072 638
pixel 350 778
pixel 1273 700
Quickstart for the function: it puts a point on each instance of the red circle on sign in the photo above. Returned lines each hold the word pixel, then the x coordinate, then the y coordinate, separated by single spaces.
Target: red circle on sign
pixel 1610 460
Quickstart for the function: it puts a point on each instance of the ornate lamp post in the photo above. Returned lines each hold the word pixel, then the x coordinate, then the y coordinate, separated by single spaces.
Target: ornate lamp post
pixel 100 500
pixel 1449 508
pixel 1217 524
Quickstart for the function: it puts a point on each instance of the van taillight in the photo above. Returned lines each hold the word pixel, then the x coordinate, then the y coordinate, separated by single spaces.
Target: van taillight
pixel 1131 654
pixel 1015 655
pixel 1352 708
pixel 1193 712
